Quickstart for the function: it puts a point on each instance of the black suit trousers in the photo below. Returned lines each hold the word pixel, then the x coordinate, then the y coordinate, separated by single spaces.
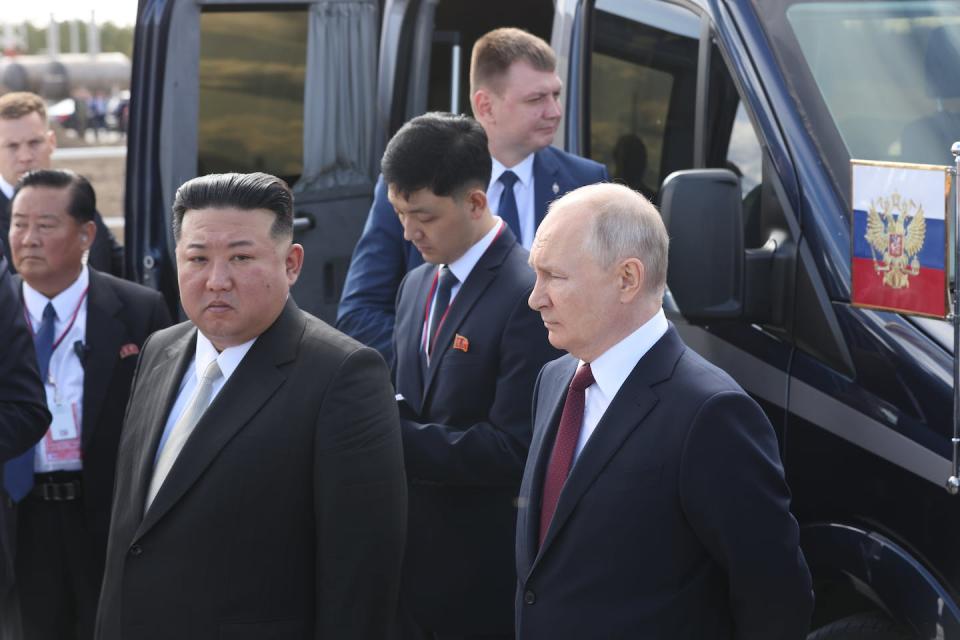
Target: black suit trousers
pixel 57 578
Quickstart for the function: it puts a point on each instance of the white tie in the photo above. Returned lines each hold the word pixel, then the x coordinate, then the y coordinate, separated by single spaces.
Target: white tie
pixel 183 428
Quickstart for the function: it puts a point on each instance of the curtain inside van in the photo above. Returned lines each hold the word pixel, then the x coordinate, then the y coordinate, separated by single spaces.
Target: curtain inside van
pixel 340 95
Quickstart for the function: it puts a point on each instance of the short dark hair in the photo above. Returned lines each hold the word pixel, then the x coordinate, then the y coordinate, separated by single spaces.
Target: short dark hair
pixel 496 50
pixel 247 191
pixel 83 200
pixel 441 152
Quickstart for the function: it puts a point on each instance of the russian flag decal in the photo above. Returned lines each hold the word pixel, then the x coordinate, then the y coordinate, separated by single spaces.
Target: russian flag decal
pixel 899 251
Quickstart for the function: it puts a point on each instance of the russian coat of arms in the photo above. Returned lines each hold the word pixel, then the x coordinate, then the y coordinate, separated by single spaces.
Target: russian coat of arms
pixel 895 230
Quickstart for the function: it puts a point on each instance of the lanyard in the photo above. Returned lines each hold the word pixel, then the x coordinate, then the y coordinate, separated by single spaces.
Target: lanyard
pixel 73 319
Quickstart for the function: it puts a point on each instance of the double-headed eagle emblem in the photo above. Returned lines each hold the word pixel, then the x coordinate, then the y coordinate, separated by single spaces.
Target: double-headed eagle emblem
pixel 895 230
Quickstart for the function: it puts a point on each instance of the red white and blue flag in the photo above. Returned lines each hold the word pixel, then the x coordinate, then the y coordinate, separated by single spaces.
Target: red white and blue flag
pixel 899 251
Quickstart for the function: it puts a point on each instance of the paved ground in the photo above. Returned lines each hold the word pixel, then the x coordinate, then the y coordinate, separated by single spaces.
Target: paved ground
pixel 105 168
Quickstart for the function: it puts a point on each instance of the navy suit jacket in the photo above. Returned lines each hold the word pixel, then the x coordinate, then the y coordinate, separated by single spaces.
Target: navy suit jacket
pixel 674 521
pixel 106 254
pixel 382 256
pixel 119 313
pixel 23 409
pixel 466 429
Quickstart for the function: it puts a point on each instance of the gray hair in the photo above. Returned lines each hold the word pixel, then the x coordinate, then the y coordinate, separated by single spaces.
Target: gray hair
pixel 626 225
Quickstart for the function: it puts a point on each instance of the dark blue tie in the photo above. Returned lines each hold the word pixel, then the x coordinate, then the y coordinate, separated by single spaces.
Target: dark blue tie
pixel 18 472
pixel 441 302
pixel 508 203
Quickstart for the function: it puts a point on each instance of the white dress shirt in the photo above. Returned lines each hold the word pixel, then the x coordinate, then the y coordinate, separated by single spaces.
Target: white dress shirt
pixel 461 268
pixel 522 191
pixel 228 360
pixel 611 369
pixel 64 383
pixel 7 190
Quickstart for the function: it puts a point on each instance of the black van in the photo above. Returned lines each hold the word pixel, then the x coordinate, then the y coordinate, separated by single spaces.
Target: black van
pixel 739 117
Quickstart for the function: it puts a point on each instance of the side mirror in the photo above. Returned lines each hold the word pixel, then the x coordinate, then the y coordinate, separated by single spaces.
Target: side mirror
pixel 702 211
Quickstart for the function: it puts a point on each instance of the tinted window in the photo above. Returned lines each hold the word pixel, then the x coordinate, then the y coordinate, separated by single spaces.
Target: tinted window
pixel 252 72
pixel 642 79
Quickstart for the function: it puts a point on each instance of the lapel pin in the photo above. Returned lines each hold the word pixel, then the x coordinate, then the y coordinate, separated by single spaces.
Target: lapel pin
pixel 128 350
pixel 556 188
pixel 460 343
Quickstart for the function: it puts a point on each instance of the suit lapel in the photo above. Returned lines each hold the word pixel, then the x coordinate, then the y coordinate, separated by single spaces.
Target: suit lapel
pixel 480 277
pixel 554 387
pixel 104 336
pixel 409 332
pixel 545 176
pixel 626 412
pixel 162 384
pixel 251 385
pixel 5 228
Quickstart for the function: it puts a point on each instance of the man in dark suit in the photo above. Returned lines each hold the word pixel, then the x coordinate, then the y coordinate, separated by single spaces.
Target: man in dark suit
pixel 279 511
pixel 88 331
pixel 515 97
pixel 468 349
pixel 27 143
pixel 653 503
pixel 23 414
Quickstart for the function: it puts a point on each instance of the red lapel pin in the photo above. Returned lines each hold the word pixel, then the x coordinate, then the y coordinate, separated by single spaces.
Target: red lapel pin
pixel 460 343
pixel 129 349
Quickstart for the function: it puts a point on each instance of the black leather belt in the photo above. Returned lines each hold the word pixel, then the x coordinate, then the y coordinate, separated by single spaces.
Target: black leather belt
pixel 60 486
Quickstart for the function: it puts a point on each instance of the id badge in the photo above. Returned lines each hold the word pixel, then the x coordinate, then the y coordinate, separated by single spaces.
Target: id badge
pixel 64 425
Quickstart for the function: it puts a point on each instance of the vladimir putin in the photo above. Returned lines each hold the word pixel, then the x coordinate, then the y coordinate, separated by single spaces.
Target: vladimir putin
pixel 653 504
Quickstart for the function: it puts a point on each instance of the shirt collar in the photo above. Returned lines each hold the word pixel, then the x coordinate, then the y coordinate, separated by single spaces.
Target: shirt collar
pixel 523 169
pixel 463 265
pixel 611 369
pixel 7 189
pixel 64 303
pixel 228 359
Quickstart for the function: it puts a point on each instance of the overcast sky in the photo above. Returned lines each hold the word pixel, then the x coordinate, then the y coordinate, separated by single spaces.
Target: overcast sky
pixel 123 12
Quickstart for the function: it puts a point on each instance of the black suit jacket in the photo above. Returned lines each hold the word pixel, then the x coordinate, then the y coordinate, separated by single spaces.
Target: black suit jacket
pixel 283 516
pixel 106 254
pixel 119 313
pixel 674 521
pixel 23 410
pixel 466 430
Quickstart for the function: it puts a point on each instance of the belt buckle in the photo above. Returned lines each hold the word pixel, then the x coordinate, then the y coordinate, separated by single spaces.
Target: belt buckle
pixel 59 491
pixel 49 492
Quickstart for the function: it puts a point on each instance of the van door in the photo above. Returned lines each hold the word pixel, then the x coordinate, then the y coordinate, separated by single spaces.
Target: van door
pixel 284 88
pixel 656 97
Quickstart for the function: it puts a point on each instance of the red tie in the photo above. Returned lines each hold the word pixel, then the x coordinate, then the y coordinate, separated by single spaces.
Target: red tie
pixel 568 433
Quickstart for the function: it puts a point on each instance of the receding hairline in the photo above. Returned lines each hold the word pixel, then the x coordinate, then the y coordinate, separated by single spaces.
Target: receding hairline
pixel 592 200
pixel 557 213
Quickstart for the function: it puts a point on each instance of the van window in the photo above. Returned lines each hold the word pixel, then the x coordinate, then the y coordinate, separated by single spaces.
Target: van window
pixel 744 153
pixel 895 97
pixel 252 74
pixel 642 80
